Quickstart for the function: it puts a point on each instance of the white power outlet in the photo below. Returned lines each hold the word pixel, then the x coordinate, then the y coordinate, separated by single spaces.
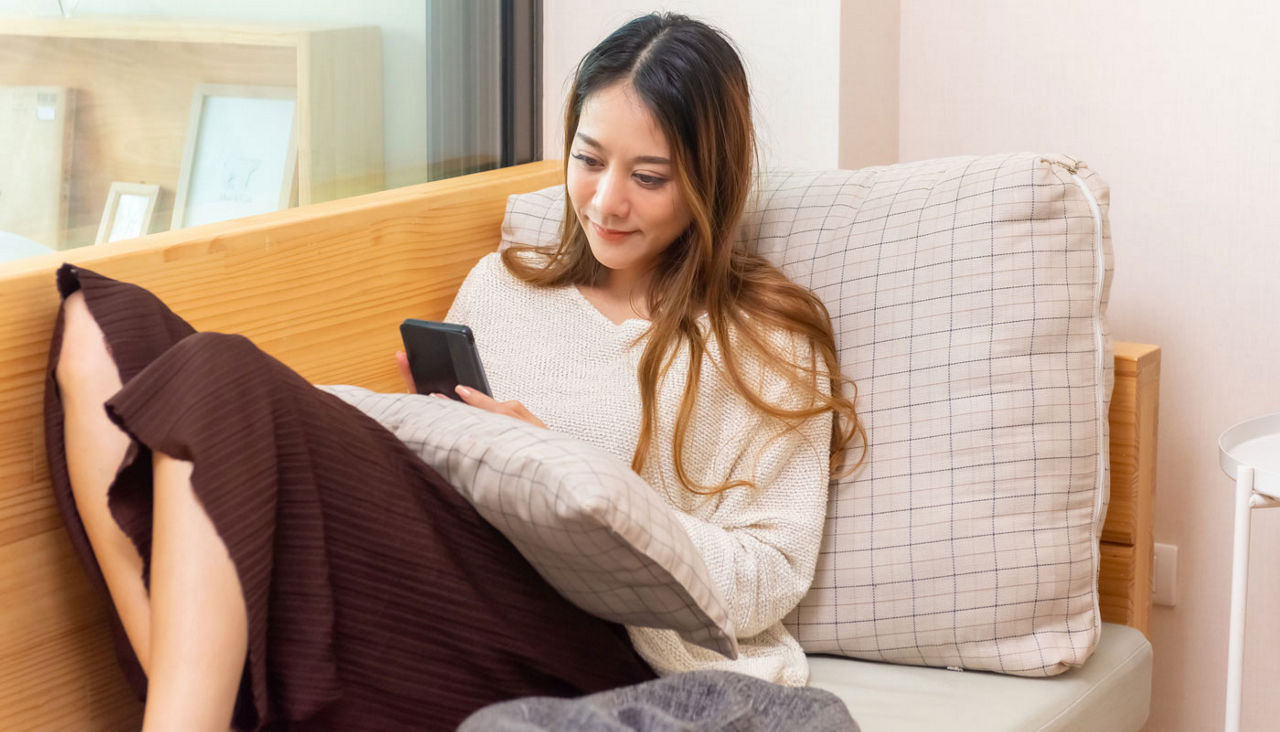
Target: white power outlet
pixel 1164 573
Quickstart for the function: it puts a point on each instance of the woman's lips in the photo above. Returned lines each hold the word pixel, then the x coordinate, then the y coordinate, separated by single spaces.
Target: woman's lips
pixel 610 234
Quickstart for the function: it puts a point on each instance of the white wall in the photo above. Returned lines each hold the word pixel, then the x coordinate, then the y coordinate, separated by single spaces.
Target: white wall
pixel 1177 105
pixel 792 61
pixel 869 38
pixel 404 52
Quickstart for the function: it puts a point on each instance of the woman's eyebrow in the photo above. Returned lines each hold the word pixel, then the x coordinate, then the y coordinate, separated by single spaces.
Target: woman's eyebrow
pixel 650 159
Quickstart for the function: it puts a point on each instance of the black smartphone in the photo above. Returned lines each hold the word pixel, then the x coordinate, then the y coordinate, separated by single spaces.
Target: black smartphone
pixel 442 356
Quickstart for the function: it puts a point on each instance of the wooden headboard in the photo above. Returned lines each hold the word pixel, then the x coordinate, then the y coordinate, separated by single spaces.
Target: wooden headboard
pixel 323 288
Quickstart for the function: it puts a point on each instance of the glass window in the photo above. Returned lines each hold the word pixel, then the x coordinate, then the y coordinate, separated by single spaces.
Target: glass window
pixel 120 118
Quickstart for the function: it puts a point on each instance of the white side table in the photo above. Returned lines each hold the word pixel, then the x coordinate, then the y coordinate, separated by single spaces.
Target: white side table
pixel 1250 453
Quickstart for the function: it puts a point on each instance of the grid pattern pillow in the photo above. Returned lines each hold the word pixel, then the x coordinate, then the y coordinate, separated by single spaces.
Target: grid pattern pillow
pixel 968 298
pixel 588 524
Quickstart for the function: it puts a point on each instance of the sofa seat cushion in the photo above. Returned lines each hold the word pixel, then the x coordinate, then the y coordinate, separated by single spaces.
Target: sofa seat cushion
pixel 1110 692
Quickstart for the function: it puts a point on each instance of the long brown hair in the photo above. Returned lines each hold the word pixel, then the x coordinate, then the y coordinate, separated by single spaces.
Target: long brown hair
pixel 693 83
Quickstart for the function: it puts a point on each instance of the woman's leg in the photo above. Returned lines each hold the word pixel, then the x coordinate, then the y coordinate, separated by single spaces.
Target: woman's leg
pixel 87 377
pixel 198 624
pixel 190 633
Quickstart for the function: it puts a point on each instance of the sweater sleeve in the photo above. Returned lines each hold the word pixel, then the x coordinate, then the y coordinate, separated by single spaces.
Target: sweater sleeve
pixel 761 544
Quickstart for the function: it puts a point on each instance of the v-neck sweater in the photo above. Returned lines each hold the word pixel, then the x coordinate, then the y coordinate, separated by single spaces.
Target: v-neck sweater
pixel 576 370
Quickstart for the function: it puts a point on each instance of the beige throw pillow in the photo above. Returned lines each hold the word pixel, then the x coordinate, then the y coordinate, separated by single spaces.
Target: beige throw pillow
pixel 588 524
pixel 968 299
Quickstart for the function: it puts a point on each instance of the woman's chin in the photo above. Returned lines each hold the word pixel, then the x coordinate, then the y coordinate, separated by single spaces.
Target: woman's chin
pixel 609 256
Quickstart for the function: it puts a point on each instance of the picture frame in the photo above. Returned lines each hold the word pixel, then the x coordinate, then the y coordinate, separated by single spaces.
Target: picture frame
pixel 37 134
pixel 240 153
pixel 128 211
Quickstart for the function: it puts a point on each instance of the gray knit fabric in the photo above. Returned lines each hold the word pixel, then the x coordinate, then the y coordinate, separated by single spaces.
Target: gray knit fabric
pixel 697 701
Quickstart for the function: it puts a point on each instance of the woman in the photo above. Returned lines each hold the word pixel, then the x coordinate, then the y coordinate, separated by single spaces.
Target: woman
pixel 274 556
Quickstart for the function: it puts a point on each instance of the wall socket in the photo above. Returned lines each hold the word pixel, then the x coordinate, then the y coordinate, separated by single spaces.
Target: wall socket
pixel 1164 575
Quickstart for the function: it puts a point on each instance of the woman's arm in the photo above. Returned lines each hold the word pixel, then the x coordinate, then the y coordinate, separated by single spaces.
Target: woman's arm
pixel 761 544
pixel 460 313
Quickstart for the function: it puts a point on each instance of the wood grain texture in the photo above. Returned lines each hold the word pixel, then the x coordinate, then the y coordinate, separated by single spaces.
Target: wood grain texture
pixel 1115 583
pixel 1125 585
pixel 322 288
pixel 1133 423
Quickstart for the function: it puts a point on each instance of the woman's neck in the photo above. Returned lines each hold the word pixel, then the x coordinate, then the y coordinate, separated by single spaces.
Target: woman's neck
pixel 621 296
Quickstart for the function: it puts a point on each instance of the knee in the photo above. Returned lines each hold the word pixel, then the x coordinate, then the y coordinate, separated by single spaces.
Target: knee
pixel 76 318
pixel 224 367
pixel 207 346
pixel 216 355
pixel 84 357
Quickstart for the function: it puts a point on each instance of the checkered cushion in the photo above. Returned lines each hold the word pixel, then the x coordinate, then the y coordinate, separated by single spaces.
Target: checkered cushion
pixel 968 299
pixel 588 524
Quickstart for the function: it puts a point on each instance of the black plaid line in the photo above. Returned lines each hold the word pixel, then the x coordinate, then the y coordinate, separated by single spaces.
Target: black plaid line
pixel 991 393
pixel 1035 446
pixel 889 585
pixel 911 426
pixel 891 241
pixel 951 332
pixel 1015 426
pixel 871 397
pixel 995 621
pixel 861 533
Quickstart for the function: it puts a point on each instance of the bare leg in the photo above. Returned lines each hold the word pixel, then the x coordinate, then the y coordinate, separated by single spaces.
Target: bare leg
pixel 190 633
pixel 199 627
pixel 87 377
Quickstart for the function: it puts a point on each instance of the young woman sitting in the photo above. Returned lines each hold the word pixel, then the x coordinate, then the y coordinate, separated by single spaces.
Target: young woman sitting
pixel 274 556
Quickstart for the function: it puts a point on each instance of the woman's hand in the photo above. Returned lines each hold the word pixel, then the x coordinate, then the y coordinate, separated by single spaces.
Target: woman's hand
pixel 489 404
pixel 471 396
pixel 402 365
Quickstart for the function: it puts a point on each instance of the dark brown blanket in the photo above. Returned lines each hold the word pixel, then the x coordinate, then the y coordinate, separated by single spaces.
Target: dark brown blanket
pixel 377 597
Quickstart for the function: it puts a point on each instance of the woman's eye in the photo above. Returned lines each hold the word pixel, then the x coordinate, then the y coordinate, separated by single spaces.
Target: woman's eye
pixel 648 181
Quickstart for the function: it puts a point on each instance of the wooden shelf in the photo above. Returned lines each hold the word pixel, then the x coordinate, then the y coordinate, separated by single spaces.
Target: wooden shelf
pixel 134 80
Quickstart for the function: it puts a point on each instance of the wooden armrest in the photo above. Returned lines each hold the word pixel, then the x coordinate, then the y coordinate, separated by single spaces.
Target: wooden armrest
pixel 1124 582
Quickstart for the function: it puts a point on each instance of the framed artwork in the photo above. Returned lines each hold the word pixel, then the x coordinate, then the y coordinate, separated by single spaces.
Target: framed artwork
pixel 36 127
pixel 128 211
pixel 239 155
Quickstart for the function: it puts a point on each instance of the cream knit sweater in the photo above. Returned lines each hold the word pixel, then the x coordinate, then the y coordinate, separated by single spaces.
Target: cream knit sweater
pixel 576 370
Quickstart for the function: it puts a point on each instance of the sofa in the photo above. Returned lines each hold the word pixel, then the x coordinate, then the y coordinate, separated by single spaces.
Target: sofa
pixel 324 287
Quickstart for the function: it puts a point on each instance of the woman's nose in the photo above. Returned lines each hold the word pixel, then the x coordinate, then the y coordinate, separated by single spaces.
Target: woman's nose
pixel 611 196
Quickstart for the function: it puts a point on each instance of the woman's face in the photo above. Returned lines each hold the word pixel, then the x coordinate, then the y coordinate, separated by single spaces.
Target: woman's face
pixel 620 182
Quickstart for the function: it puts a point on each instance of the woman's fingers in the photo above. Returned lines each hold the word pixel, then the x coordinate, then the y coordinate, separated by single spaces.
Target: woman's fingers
pixel 489 404
pixel 470 396
pixel 479 399
pixel 402 365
